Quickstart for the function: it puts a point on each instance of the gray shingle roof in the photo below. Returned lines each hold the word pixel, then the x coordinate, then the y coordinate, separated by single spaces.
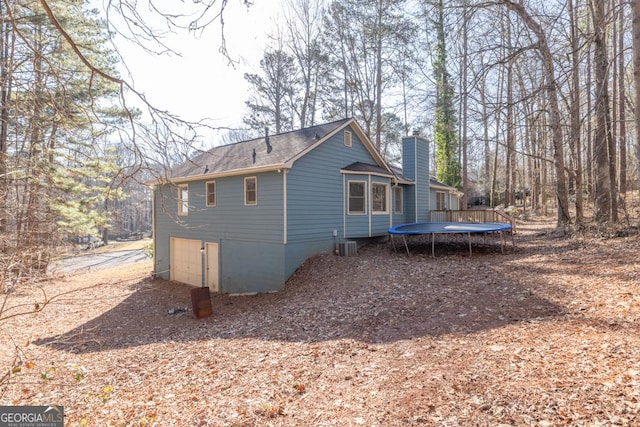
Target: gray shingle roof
pixel 240 155
pixel 435 183
pixel 365 167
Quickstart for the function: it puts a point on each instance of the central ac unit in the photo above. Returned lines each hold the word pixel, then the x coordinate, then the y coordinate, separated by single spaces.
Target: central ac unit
pixel 348 248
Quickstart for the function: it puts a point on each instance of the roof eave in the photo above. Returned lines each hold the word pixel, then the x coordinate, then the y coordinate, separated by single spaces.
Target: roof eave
pixel 213 175
pixel 350 172
pixel 404 181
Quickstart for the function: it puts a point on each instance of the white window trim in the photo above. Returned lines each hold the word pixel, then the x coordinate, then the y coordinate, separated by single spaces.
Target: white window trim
pixel 364 205
pixel 386 196
pixel 183 205
pixel 444 200
pixel 348 138
pixel 396 191
pixel 247 178
pixel 215 193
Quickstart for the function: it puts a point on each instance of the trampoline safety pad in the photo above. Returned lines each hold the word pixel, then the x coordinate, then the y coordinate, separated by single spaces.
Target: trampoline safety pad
pixel 433 228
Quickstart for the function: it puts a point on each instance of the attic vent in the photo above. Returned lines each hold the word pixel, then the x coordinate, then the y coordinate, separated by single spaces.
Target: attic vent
pixel 347 138
pixel 348 248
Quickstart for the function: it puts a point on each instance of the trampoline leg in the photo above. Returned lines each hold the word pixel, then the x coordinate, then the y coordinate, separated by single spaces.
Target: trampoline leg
pixel 393 243
pixel 469 237
pixel 405 245
pixel 433 250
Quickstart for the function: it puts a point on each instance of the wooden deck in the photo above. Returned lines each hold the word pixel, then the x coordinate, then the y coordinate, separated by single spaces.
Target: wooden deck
pixel 472 215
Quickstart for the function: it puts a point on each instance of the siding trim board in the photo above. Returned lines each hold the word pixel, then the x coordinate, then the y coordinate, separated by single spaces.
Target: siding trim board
pixel 153 229
pixel 284 207
pixel 415 180
pixel 344 206
pixel 370 203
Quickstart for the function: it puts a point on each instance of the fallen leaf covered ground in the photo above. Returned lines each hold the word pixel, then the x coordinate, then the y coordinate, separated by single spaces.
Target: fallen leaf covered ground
pixel 544 334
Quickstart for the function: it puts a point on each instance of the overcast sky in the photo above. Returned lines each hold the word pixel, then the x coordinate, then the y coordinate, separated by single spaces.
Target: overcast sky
pixel 200 83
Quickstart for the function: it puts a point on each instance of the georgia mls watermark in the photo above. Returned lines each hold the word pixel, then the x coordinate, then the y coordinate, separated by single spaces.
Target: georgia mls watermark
pixel 31 416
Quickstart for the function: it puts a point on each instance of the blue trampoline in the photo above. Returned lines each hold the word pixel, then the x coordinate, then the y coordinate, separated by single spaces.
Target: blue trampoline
pixel 433 228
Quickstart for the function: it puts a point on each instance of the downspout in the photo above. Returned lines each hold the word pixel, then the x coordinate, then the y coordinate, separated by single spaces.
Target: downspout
pixel 392 201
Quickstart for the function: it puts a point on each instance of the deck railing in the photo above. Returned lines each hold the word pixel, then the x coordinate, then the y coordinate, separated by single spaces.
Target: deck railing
pixel 472 215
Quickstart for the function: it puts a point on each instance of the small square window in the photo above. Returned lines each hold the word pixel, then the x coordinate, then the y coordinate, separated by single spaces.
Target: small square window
pixel 211 193
pixel 251 190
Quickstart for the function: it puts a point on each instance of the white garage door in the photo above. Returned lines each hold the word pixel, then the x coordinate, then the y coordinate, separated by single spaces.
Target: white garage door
pixel 186 261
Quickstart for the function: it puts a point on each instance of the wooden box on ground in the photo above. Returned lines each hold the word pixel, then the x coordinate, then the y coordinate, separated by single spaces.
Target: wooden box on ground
pixel 201 302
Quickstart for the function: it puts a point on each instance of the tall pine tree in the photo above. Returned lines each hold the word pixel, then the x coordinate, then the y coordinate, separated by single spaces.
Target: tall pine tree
pixel 55 113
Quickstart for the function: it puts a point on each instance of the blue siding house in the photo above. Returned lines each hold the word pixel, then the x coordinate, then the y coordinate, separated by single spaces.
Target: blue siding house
pixel 241 218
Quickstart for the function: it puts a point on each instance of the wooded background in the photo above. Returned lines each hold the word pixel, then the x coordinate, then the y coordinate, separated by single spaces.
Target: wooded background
pixel 528 103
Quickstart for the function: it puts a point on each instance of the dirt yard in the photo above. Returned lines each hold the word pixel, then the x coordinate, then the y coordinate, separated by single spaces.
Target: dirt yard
pixel 546 334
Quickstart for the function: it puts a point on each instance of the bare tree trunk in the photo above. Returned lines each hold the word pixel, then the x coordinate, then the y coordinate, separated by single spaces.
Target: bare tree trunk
pixel 379 77
pixel 487 146
pixel 509 166
pixel 562 196
pixel 544 175
pixel 622 134
pixel 574 140
pixel 464 109
pixel 605 199
pixel 613 65
pixel 528 157
pixel 636 79
pixel 498 108
pixel 589 133
pixel 5 96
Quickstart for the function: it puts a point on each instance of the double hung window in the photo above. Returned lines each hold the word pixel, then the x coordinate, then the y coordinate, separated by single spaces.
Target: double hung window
pixel 251 190
pixel 183 199
pixel 357 197
pixel 211 193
